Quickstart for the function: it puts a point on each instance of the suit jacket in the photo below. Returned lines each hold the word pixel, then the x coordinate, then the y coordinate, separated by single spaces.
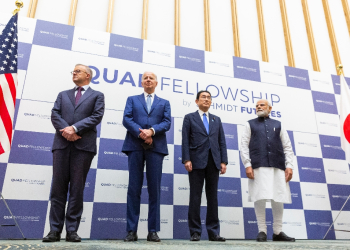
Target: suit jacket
pixel 196 141
pixel 136 116
pixel 85 116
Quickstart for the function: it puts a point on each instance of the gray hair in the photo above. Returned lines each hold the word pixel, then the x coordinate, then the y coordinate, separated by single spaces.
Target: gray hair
pixel 150 72
pixel 88 70
pixel 268 102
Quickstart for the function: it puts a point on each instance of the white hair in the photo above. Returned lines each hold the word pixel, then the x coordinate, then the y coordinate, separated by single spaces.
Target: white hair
pixel 88 70
pixel 268 102
pixel 150 72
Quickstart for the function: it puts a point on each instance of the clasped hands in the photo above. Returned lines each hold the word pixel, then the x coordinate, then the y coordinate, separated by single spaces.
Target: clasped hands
pixel 146 134
pixel 69 134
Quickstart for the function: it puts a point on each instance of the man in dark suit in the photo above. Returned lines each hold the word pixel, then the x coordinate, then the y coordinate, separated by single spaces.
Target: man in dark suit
pixel 146 117
pixel 75 115
pixel 204 155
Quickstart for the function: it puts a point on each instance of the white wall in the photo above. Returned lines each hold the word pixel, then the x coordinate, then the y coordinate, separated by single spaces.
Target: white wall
pixel 274 32
pixel 49 10
pixel 221 27
pixel 127 20
pixel 298 35
pixel 161 21
pixel 192 24
pixel 248 29
pixel 323 44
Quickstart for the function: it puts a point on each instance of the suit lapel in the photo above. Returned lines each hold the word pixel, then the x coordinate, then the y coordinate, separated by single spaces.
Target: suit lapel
pixel 155 102
pixel 198 120
pixel 87 93
pixel 71 96
pixel 211 122
pixel 143 102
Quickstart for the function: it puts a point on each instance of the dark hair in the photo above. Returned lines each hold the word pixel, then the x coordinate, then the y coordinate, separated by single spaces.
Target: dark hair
pixel 202 91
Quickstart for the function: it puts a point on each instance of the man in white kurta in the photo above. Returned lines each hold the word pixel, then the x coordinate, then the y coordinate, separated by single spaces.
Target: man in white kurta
pixel 267 155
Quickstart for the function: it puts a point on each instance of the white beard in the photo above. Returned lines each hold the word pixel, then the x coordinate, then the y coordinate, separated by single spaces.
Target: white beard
pixel 262 113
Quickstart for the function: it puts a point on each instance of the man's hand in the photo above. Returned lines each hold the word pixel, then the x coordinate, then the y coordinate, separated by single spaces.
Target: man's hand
pixel 145 133
pixel 223 168
pixel 149 141
pixel 188 166
pixel 73 137
pixel 249 172
pixel 67 131
pixel 69 134
pixel 289 174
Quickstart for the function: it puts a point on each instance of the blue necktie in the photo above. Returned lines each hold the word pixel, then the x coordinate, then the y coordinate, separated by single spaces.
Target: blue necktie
pixel 149 103
pixel 205 122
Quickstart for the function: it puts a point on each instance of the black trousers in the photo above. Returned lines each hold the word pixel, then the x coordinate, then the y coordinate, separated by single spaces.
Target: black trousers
pixel 70 168
pixel 211 176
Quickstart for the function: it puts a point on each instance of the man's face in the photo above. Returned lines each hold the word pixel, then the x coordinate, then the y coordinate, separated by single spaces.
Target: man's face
pixel 80 75
pixel 204 101
pixel 149 82
pixel 262 108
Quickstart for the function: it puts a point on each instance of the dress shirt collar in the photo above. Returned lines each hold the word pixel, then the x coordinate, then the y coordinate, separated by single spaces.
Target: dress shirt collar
pixel 146 94
pixel 85 87
pixel 202 112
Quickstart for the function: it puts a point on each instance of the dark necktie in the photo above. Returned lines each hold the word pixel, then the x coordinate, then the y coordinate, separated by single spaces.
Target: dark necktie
pixel 78 96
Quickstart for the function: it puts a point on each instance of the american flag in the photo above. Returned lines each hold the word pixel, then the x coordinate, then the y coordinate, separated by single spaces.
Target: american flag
pixel 8 81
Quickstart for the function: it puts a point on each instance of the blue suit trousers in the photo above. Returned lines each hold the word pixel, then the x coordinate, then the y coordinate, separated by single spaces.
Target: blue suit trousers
pixel 154 161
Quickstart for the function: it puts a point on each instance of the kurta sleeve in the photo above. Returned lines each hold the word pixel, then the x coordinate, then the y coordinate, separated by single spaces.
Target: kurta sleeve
pixel 245 146
pixel 287 148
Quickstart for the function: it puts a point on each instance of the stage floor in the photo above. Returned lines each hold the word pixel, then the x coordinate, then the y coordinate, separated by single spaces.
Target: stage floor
pixel 175 244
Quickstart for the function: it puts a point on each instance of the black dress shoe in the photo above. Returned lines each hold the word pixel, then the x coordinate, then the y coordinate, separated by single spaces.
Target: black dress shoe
pixel 217 238
pixel 153 236
pixel 73 237
pixel 195 237
pixel 132 236
pixel 282 237
pixel 53 236
pixel 262 237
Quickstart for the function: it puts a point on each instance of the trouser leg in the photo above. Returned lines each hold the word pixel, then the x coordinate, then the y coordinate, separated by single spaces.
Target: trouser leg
pixel 154 162
pixel 80 162
pixel 196 179
pixel 59 188
pixel 136 165
pixel 211 189
pixel 260 207
pixel 277 213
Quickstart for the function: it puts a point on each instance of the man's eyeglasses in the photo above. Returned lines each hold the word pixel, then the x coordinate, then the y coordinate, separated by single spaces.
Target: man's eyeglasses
pixel 205 97
pixel 78 71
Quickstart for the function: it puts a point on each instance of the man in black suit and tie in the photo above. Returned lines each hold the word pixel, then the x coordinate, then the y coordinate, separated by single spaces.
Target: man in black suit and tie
pixel 204 155
pixel 75 115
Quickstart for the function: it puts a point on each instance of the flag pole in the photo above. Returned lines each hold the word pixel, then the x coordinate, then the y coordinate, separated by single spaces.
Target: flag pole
pixel 341 74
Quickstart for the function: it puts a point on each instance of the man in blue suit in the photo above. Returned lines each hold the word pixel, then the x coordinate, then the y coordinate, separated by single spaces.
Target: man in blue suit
pixel 204 155
pixel 75 115
pixel 146 117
